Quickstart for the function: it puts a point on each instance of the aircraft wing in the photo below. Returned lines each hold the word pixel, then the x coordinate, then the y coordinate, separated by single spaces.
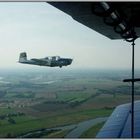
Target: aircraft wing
pixel 39 62
pixel 119 123
pixel 114 20
pixel 36 60
pixel 94 16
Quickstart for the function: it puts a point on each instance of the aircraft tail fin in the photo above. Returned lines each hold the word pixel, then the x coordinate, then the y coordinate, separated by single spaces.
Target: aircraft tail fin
pixel 23 57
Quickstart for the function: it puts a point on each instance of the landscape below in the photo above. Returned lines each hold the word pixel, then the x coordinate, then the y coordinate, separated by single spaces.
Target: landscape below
pixel 49 104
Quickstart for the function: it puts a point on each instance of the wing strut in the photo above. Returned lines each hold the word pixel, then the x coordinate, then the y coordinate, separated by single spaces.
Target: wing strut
pixel 129 35
pixel 133 80
pixel 132 100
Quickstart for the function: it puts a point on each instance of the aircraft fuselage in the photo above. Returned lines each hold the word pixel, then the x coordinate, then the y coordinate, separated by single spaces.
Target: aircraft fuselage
pixel 54 61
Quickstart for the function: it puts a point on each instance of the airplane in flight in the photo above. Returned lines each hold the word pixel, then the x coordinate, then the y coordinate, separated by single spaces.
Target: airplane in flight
pixel 51 61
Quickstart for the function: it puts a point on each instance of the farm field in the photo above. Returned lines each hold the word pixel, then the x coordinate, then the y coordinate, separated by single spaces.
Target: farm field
pixel 37 100
pixel 91 133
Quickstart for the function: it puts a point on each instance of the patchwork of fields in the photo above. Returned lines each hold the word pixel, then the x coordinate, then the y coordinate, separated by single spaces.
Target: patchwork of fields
pixel 32 101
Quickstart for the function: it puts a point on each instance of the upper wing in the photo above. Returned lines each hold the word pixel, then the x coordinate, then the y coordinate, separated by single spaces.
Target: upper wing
pixel 119 123
pixel 36 60
pixel 94 16
pixel 39 61
pixel 102 19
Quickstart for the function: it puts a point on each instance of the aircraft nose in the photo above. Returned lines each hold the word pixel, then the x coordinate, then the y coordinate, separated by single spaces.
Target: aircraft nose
pixel 70 61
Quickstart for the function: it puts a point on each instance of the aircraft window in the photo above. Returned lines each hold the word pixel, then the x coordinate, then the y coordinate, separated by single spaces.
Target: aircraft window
pixel 57 57
pixel 49 57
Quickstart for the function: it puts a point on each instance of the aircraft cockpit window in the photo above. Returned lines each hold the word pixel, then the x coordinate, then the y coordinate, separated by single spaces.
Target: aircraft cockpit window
pixel 46 58
pixel 57 57
pixel 49 57
pixel 53 58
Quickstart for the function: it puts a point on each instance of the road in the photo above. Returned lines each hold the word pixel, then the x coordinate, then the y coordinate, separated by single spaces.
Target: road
pixel 84 126
pixel 76 129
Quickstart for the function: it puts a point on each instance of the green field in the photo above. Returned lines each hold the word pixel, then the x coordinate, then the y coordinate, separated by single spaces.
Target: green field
pixel 37 100
pixel 6 110
pixel 57 134
pixel 91 133
pixel 27 124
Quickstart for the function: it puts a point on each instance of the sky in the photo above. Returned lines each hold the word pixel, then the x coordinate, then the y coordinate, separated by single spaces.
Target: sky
pixel 42 30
